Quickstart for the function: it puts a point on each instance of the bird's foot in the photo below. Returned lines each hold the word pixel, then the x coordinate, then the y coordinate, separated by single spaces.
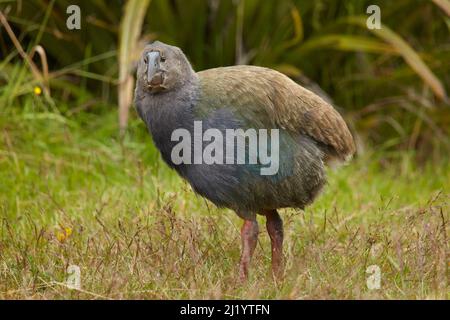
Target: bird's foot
pixel 274 226
pixel 249 235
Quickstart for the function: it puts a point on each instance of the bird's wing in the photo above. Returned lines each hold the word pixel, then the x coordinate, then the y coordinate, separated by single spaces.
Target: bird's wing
pixel 269 98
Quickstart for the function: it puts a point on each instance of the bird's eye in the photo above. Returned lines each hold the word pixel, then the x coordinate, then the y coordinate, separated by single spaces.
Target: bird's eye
pixel 145 59
pixel 163 59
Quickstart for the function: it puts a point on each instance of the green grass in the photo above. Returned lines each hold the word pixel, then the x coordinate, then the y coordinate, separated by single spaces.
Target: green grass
pixel 138 231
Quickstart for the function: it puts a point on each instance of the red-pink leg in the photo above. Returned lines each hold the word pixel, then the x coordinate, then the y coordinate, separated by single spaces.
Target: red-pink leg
pixel 274 226
pixel 249 235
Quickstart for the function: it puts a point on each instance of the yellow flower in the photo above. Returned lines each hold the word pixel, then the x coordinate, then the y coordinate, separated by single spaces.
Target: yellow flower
pixel 64 234
pixel 61 236
pixel 68 231
pixel 37 91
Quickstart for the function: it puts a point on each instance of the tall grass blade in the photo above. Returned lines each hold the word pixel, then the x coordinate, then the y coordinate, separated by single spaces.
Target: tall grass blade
pixel 298 28
pixel 346 43
pixel 444 5
pixel 130 30
pixel 411 57
pixel 34 69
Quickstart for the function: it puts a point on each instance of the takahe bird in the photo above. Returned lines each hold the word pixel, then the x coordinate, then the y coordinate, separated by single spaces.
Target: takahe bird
pixel 171 96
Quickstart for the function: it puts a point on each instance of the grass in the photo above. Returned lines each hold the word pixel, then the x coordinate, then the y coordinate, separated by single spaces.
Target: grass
pixel 72 193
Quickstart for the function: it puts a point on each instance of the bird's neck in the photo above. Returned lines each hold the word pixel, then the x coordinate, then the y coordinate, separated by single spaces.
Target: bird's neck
pixel 183 95
pixel 167 111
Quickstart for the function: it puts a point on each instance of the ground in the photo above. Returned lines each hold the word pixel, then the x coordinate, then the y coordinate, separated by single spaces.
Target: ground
pixel 72 194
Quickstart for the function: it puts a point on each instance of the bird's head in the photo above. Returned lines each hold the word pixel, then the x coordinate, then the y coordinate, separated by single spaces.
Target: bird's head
pixel 162 68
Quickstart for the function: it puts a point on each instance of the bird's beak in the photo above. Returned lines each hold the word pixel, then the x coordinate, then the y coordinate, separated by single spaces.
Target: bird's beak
pixel 154 74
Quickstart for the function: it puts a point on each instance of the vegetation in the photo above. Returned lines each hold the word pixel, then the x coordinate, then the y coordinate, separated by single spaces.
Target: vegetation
pixel 71 193
pixel 74 191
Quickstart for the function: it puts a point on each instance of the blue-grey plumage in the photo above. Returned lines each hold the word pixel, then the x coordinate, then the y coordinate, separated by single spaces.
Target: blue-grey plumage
pixel 170 95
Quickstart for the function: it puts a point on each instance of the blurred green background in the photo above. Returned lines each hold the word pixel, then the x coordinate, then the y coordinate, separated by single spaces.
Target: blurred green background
pixel 390 84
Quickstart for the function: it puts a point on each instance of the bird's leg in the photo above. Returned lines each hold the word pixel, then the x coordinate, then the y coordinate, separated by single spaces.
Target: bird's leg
pixel 274 226
pixel 249 235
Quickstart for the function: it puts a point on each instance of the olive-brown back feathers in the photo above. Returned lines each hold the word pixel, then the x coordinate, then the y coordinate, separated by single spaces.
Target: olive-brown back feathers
pixel 282 102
